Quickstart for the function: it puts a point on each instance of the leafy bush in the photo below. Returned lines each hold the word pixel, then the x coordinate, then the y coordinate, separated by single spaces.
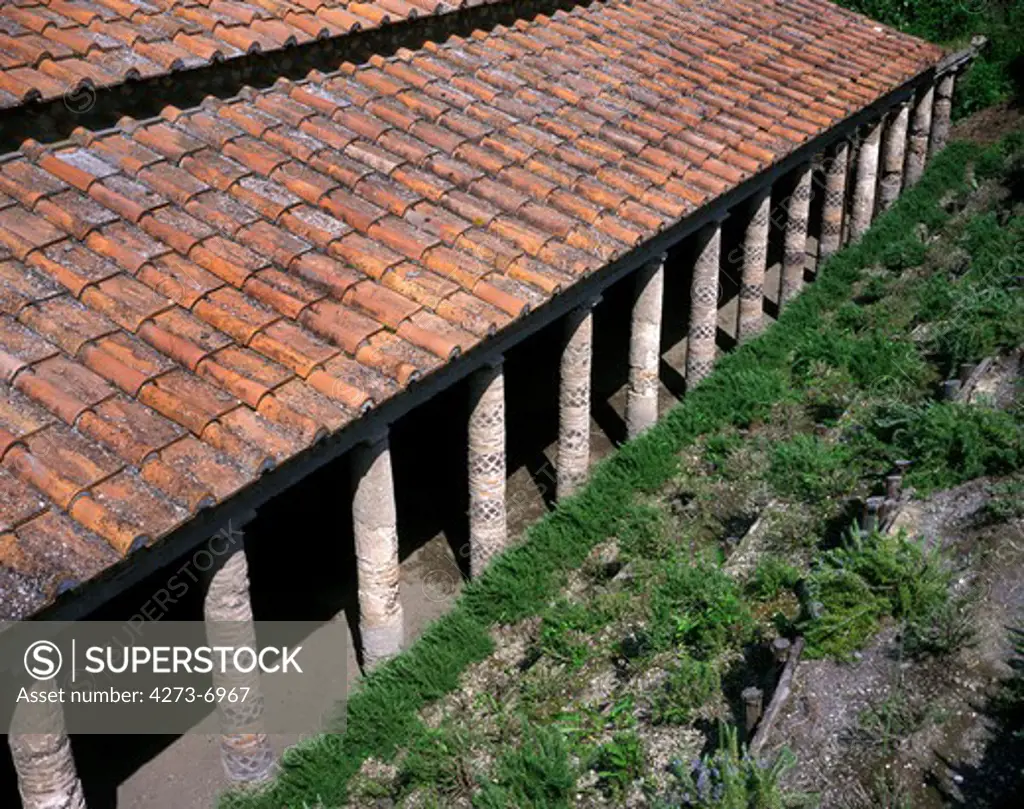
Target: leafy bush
pixel 700 608
pixel 619 763
pixel 949 442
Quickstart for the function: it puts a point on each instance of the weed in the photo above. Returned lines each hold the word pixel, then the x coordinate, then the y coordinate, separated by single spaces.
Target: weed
pixel 619 763
pixel 689 685
pixel 437 760
pixel 535 775
pixel 808 467
pixel 698 607
pixel 772 577
pixel 1006 502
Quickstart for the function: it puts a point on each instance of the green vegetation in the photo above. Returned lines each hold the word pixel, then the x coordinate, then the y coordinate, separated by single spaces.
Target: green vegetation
pixel 678 612
pixel 854 586
pixel 996 76
pixel 730 778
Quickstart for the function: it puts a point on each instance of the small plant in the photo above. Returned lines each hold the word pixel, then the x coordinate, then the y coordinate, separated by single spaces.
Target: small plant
pixel 437 760
pixel 700 608
pixel 730 778
pixel 1006 502
pixel 808 467
pixel 535 775
pixel 772 577
pixel 619 763
pixel 689 685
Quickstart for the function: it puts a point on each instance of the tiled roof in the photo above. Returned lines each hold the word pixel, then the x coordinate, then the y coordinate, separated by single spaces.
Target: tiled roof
pixel 190 300
pixel 49 48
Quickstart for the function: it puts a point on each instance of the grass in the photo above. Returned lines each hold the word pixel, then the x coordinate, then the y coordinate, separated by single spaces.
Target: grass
pixel 687 607
pixel 996 74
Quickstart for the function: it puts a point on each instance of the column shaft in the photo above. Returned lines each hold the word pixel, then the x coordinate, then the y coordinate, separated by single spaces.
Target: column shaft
pixel 645 347
pixel 488 529
pixel 942 115
pixel 917 139
pixel 375 524
pixel 795 256
pixel 574 401
pixel 755 260
pixel 47 778
pixel 867 180
pixel 245 750
pixel 700 344
pixel 835 201
pixel 893 156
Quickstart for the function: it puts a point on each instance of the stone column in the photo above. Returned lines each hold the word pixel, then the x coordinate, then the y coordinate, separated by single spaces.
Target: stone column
pixel 700 343
pixel 867 180
pixel 920 132
pixel 645 347
pixel 835 202
pixel 376 540
pixel 245 749
pixel 893 156
pixel 795 256
pixel 488 529
pixel 47 778
pixel 755 261
pixel 942 115
pixel 574 401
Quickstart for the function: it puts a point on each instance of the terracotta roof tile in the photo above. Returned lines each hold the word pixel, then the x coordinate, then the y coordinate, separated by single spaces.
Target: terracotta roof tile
pixel 189 300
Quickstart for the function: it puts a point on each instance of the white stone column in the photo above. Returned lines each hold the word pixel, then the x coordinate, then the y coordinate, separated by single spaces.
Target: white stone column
pixel 919 135
pixel 755 262
pixel 867 180
pixel 893 156
pixel 574 401
pixel 942 115
pixel 700 343
pixel 245 749
pixel 47 778
pixel 834 207
pixel 645 347
pixel 795 256
pixel 488 528
pixel 375 523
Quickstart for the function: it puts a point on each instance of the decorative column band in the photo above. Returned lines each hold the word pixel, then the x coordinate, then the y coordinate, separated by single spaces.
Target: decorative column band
pixel 645 347
pixel 376 539
pixel 942 115
pixel 488 529
pixel 245 750
pixel 47 778
pixel 755 261
pixel 920 133
pixel 867 179
pixel 700 344
pixel 574 401
pixel 893 155
pixel 836 165
pixel 795 256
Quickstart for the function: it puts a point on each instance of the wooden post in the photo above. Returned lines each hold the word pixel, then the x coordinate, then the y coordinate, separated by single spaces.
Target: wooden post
pixel 919 135
pixel 700 345
pixel 867 180
pixel 893 157
pixel 942 116
pixel 245 749
pixel 574 401
pixel 376 539
pixel 645 347
pixel 755 260
pixel 47 778
pixel 795 256
pixel 836 165
pixel 488 531
pixel 753 702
